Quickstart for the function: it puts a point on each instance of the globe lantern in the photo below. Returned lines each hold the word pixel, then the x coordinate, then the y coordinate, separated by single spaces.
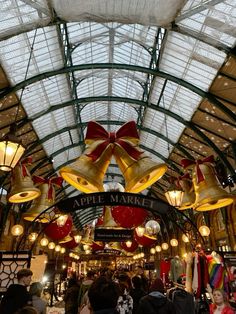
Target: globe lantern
pixel 17 230
pixel 174 242
pixel 152 227
pixel 204 231
pixel 164 246
pixel 58 232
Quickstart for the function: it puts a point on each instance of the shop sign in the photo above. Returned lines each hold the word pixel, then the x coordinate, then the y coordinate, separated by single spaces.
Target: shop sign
pixel 112 235
pixel 108 252
pixel 111 198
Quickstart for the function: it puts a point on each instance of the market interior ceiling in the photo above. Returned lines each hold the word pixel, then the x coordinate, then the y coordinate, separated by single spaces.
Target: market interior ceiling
pixel 169 67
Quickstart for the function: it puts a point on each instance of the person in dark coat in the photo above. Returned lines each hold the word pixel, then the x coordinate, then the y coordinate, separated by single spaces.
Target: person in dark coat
pixel 71 297
pixel 136 292
pixel 17 296
pixel 156 302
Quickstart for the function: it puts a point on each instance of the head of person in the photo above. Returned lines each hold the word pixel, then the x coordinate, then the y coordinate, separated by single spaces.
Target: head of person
pixel 157 285
pixel 36 288
pixel 24 276
pixel 139 270
pixel 103 294
pixel 219 297
pixel 124 282
pixel 137 282
pixel 27 310
pixel 90 274
pixel 72 282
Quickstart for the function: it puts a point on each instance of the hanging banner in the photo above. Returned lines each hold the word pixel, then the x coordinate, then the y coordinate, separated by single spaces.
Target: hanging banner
pixel 112 198
pixel 112 235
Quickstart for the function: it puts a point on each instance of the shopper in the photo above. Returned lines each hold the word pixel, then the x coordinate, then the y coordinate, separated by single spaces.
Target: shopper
pixel 35 291
pixel 27 310
pixel 125 301
pixel 156 302
pixel 220 304
pixel 71 297
pixel 17 296
pixel 103 295
pixel 136 292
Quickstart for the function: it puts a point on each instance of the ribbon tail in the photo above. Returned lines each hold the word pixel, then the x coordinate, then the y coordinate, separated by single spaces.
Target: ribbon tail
pixel 130 149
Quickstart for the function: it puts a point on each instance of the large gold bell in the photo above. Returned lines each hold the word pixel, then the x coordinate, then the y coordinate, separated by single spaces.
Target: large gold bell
pixel 22 188
pixel 209 194
pixel 139 174
pixel 189 195
pixel 85 174
pixel 40 204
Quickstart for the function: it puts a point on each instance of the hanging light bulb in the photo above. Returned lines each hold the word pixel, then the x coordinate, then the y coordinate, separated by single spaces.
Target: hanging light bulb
pixel 140 231
pixel 17 230
pixel 58 248
pixel 164 246
pixel 33 236
pixel 51 245
pixel 152 250
pixel 63 250
pixel 86 247
pixel 152 227
pixel 158 248
pixel 174 242
pixel 204 231
pixel 11 150
pixel 61 220
pixel 77 238
pixel 185 238
pixel 128 243
pixel 44 242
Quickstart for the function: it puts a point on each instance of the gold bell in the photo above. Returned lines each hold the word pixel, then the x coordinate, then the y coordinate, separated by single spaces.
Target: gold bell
pixel 139 174
pixel 22 188
pixel 85 174
pixel 41 204
pixel 189 195
pixel 209 194
pixel 108 221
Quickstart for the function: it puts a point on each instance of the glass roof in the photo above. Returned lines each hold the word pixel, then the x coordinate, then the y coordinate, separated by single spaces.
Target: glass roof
pixel 112 72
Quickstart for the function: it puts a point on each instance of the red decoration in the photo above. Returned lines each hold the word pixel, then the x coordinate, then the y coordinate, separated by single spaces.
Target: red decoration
pixel 145 240
pixel 71 244
pixel 97 246
pixel 131 249
pixel 99 222
pixel 128 217
pixel 124 137
pixel 56 232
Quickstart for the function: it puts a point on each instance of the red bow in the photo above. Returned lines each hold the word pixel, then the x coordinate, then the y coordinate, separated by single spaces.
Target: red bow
pixel 124 137
pixel 187 162
pixel 54 181
pixel 23 163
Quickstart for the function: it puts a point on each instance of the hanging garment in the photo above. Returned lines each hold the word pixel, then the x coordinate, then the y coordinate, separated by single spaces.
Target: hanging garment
pixel 182 300
pixel 164 269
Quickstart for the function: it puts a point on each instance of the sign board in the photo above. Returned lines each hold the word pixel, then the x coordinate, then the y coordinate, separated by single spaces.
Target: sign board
pixel 113 199
pixel 112 235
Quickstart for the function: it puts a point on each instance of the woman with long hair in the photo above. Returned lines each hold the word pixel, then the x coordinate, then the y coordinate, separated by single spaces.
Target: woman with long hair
pixel 220 304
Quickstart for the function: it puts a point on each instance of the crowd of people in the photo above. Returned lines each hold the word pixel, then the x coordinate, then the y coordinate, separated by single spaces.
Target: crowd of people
pixel 108 292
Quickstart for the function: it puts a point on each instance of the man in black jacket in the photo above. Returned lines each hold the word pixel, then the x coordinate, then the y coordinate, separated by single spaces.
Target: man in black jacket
pixel 17 295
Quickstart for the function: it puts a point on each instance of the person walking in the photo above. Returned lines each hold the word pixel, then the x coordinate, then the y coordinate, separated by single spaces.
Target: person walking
pixel 71 297
pixel 35 291
pixel 17 296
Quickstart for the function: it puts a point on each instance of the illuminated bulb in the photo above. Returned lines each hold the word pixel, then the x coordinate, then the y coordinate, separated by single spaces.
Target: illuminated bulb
pixel 77 238
pixel 17 230
pixel 140 231
pixel 63 266
pixel 33 236
pixel 58 248
pixel 61 220
pixel 51 245
pixel 128 243
pixel 141 254
pixel 86 247
pixel 87 251
pixel 44 242
pixel 174 242
pixel 164 246
pixel 185 238
pixel 63 250
pixel 152 250
pixel 158 248
pixel 204 231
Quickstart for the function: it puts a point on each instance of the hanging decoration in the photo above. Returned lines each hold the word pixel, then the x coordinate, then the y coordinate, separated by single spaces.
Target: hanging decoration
pixel 57 232
pixel 129 248
pixel 22 186
pixel 145 240
pixel 45 200
pixel 87 172
pixel 128 217
pixel 185 183
pixel 174 194
pixel 209 193
pixel 152 228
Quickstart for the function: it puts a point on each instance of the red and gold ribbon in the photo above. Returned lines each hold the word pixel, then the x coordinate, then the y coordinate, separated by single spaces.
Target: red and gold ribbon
pixel 188 162
pixel 54 181
pixel 23 163
pixel 125 137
